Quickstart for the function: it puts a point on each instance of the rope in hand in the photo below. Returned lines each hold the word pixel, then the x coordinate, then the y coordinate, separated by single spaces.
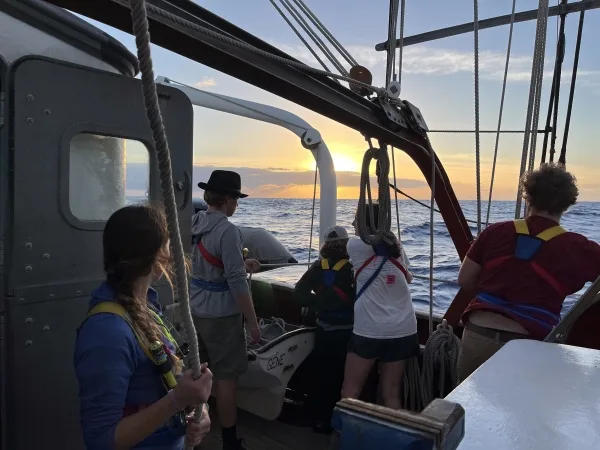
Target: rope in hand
pixel 142 40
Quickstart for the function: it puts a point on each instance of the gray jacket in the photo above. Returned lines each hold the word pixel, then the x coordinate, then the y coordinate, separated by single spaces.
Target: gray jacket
pixel 223 240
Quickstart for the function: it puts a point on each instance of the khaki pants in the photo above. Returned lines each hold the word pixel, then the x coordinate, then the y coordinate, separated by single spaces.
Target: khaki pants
pixel 474 351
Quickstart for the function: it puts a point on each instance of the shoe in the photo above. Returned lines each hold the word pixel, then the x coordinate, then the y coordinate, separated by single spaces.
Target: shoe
pixel 240 444
pixel 322 427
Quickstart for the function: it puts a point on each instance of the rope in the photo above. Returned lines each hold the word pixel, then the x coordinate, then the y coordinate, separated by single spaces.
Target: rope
pixel 314 36
pixel 295 30
pixel 262 53
pixel 315 20
pixel 510 35
pixel 441 353
pixel 535 75
pixel 477 139
pixel 431 234
pixel 312 217
pixel 142 39
pixel 383 233
pixel 396 194
pixel 399 191
pixel 267 326
pixel 483 131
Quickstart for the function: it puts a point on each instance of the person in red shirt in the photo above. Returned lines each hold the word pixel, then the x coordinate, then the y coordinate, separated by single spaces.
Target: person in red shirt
pixel 523 270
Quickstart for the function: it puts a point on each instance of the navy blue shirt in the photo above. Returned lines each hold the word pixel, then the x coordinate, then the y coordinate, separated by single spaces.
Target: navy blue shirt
pixel 114 372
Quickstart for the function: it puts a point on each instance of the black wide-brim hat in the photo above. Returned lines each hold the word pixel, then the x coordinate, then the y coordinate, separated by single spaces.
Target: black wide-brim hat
pixel 224 182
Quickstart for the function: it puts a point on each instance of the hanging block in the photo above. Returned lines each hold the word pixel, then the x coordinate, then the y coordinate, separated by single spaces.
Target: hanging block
pixel 364 426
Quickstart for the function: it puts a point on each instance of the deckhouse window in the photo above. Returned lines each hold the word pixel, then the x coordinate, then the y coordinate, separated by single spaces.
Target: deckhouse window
pixel 105 174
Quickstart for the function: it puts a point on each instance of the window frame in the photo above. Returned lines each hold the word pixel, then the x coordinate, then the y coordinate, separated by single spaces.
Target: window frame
pixel 65 166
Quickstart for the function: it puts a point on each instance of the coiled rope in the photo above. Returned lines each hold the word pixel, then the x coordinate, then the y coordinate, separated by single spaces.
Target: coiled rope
pixel 383 232
pixel 142 40
pixel 441 356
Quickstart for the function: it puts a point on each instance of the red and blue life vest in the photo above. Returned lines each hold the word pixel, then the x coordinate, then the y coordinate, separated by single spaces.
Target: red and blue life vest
pixel 526 249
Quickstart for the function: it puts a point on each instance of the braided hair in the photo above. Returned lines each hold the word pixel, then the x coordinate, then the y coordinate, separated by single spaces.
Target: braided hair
pixel 136 244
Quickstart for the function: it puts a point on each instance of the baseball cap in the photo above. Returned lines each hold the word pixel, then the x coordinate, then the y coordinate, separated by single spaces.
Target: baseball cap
pixel 335 233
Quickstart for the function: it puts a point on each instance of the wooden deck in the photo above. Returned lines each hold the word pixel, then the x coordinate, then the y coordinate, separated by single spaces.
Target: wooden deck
pixel 261 434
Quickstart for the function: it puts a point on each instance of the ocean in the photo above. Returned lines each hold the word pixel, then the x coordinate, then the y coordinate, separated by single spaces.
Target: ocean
pixel 289 220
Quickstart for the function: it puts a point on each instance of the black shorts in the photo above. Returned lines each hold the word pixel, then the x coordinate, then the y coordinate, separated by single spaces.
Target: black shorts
pixel 384 350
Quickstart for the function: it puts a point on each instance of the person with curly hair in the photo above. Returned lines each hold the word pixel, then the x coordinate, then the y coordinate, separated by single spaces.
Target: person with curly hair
pixel 330 278
pixel 523 270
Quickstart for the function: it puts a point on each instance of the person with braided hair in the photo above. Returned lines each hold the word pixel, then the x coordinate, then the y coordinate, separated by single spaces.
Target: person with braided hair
pixel 132 389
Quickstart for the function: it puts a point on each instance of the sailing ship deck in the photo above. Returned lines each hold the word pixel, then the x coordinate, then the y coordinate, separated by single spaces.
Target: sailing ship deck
pixel 261 434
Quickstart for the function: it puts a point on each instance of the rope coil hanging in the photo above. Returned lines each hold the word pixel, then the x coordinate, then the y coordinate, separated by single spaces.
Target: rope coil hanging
pixel 142 40
pixel 383 232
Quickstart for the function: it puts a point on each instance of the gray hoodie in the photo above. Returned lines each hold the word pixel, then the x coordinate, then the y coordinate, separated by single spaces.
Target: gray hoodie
pixel 223 240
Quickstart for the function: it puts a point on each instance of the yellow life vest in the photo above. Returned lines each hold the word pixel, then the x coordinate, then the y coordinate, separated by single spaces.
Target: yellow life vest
pixel 117 309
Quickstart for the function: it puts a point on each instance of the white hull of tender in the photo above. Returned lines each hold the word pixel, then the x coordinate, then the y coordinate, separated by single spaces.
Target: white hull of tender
pixel 262 389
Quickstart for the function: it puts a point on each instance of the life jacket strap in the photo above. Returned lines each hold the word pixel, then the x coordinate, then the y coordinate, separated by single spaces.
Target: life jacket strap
pixel 527 247
pixel 523 311
pixel 210 286
pixel 119 310
pixel 211 259
pixel 329 275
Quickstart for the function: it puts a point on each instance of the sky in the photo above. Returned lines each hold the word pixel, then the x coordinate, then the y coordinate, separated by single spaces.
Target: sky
pixel 437 77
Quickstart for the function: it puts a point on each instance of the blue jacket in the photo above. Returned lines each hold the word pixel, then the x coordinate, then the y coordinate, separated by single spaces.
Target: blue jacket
pixel 114 372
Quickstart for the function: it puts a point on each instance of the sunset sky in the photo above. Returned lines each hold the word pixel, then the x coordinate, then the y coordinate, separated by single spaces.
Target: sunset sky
pixel 437 77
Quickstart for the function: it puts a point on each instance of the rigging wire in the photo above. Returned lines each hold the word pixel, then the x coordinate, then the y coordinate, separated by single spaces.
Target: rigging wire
pixel 304 41
pixel 563 150
pixel 314 36
pixel 173 18
pixel 536 71
pixel 312 217
pixel 401 47
pixel 477 140
pixel 393 150
pixel 538 92
pixel 401 192
pixel 431 234
pixel 390 69
pixel 552 116
pixel 509 46
pixel 315 20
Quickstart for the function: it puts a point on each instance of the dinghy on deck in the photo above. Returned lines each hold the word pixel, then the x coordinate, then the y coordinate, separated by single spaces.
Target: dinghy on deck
pixel 271 365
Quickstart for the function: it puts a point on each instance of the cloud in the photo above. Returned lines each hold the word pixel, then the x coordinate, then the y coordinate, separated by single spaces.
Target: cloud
pixel 426 60
pixel 206 82
pixel 253 178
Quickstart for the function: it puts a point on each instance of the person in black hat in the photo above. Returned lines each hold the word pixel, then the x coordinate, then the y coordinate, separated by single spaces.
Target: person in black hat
pixel 220 297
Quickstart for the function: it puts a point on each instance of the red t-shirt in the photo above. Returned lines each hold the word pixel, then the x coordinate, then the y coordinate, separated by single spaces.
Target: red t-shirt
pixel 570 258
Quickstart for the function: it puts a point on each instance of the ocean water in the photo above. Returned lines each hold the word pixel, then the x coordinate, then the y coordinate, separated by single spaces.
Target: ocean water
pixel 289 220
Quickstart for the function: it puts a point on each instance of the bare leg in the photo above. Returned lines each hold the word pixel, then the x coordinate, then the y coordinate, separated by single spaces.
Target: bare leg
pixel 226 391
pixel 356 373
pixel 390 378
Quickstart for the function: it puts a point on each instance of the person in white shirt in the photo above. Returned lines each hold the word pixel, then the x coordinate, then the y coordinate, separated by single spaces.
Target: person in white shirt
pixel 385 325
